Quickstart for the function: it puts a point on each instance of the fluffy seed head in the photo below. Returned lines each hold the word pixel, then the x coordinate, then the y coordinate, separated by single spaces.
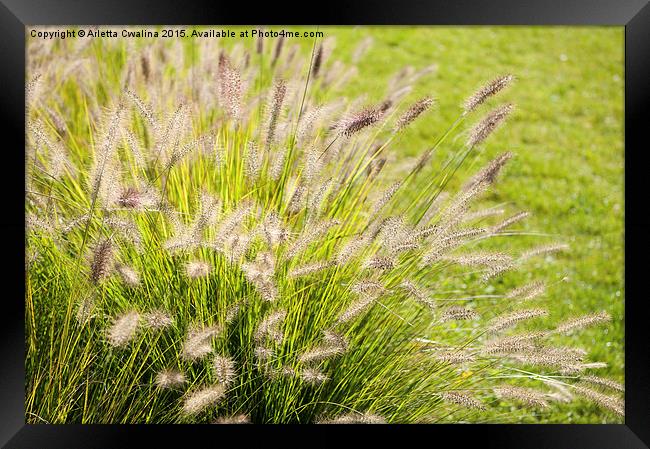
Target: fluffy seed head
pixel 487 91
pixel 129 276
pixel 528 291
pixel 545 249
pixel 278 163
pixel 233 219
pixel 417 109
pixel 488 174
pixel 230 90
pixel 124 329
pixel 455 357
pixel 491 122
pixel 317 61
pixel 101 265
pixel 463 399
pixel 143 107
pixel 513 343
pixel 351 249
pixel 170 378
pixel 481 258
pixel 263 354
pixel 278 49
pixel 418 294
pixel 509 222
pixel 483 213
pixel 304 270
pixel 582 322
pixel 320 353
pixel 274 232
pixel 235 419
pixel 335 339
pixel 510 319
pixel 603 382
pixel 616 405
pixel 593 365
pixel 197 269
pixel 379 263
pixel 270 327
pixel 313 376
pixel 85 309
pixel 296 201
pixel 279 93
pixel 224 370
pixel 526 396
pixel 200 400
pixel 252 161
pixel 308 236
pixel 368 287
pixel 158 319
pixel 354 418
pixel 384 199
pixel 496 270
pixel 566 360
pixel 355 309
pixel 458 313
pixel 198 342
pixel 356 122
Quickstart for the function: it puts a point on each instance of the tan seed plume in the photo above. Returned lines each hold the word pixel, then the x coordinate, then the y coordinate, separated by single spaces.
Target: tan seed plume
pixel 528 291
pixel 235 419
pixel 418 294
pixel 603 382
pixel 545 249
pixel 525 396
pixel 354 418
pixel 199 400
pixel 526 342
pixel 463 399
pixel 616 405
pixel 129 276
pixel 488 174
pixel 510 319
pixel 279 93
pixel 313 376
pixel 455 357
pixel 224 370
pixel 583 322
pixel 124 329
pixel 417 109
pixel 355 309
pixel 102 262
pixel 197 269
pixel 230 89
pixel 458 313
pixel 509 222
pixel 488 125
pixel 170 378
pixel 356 122
pixel 487 91
pixel 157 320
pixel 304 270
pixel 198 342
pixel 320 353
pixel 271 327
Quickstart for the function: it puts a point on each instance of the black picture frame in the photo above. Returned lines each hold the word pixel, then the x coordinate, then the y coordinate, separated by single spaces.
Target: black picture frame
pixel 15 15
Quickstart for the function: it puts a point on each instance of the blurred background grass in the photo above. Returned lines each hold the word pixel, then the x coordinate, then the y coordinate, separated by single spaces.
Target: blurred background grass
pixel 567 136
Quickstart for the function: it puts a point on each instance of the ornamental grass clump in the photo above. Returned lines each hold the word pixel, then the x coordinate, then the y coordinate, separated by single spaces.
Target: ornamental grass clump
pixel 251 260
